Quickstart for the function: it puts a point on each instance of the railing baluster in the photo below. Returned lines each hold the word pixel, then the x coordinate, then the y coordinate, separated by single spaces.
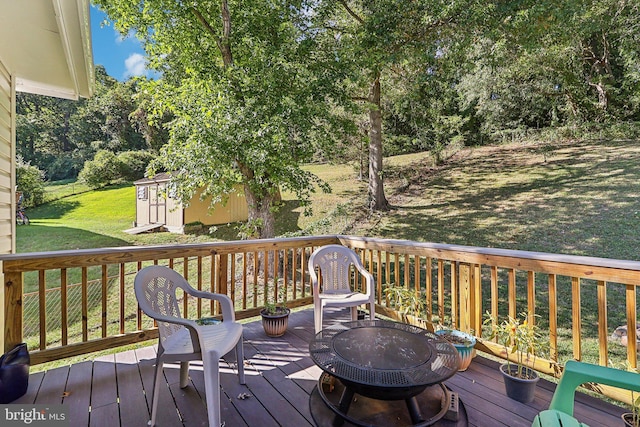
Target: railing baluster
pixel 494 296
pixel 138 310
pixel 603 333
pixel 407 271
pixel 244 280
pixel 42 306
pixel 576 322
pixel 441 290
pixel 531 295
pixel 232 279
pixel 64 319
pixel 476 299
pixel 199 302
pixel 255 279
pixel 122 298
pixel 104 283
pixel 428 286
pixel 85 306
pixel 553 318
pixel 465 297
pixel 512 293
pixel 632 352
pixel 455 322
pixel 379 278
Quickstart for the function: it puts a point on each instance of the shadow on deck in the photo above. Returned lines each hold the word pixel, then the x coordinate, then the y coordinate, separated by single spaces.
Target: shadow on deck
pixel 112 390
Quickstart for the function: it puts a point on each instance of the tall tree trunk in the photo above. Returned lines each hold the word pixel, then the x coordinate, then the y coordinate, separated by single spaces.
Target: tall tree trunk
pixel 261 212
pixel 260 204
pixel 377 199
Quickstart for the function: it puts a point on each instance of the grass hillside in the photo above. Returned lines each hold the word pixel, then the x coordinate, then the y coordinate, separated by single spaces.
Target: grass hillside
pixel 574 198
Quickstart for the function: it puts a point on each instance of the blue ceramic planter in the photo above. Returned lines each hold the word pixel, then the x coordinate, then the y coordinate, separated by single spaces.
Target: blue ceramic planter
pixel 465 351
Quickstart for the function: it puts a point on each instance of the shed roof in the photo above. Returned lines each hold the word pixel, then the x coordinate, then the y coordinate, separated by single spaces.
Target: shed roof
pixel 158 178
pixel 46 45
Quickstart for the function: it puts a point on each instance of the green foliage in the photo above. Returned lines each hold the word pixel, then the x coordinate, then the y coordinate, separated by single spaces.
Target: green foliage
pixel 30 181
pixel 519 336
pixel 58 135
pixel 133 164
pixel 405 300
pixel 100 171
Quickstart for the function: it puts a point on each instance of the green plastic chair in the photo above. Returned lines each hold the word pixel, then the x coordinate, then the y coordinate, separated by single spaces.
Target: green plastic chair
pixel 560 412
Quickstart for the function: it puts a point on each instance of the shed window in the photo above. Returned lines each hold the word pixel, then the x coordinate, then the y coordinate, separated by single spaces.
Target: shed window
pixel 143 193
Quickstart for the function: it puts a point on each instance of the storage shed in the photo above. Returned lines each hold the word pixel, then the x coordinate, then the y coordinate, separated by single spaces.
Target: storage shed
pixel 156 208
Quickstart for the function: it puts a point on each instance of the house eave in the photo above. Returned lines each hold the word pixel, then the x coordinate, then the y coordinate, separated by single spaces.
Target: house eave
pixel 46 46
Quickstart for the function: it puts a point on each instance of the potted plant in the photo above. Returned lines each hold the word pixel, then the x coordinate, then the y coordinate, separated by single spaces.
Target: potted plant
pixel 632 419
pixel 275 317
pixel 409 304
pixel 463 342
pixel 520 337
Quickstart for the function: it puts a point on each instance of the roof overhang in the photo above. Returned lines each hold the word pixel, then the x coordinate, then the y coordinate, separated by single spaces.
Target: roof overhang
pixel 46 45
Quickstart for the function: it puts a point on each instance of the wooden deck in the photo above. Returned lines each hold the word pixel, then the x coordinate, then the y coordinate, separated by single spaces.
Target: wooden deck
pixel 110 391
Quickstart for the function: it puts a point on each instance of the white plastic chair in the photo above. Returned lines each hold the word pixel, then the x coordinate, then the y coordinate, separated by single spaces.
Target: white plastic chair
pixel 334 263
pixel 182 340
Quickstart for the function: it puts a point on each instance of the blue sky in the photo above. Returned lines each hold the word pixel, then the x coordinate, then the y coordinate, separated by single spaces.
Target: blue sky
pixel 122 57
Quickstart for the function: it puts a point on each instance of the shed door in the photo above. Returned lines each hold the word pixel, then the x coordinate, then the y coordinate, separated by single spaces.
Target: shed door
pixel 157 205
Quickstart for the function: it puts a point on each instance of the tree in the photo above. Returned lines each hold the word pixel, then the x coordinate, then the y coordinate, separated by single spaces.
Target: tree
pixel 380 35
pixel 249 93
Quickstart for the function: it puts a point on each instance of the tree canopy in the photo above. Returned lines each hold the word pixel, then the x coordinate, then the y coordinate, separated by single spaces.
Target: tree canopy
pixel 251 94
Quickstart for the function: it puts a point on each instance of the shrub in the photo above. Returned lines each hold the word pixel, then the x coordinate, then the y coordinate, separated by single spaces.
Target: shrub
pixel 30 180
pixel 100 171
pixel 133 164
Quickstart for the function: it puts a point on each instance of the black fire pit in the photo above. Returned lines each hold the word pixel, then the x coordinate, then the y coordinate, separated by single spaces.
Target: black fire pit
pixel 385 361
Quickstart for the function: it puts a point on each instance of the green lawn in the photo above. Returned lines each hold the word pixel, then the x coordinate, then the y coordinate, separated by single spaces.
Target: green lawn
pixel 575 198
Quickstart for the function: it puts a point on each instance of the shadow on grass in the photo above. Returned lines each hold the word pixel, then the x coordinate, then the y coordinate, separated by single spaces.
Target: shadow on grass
pixel 585 204
pixel 38 238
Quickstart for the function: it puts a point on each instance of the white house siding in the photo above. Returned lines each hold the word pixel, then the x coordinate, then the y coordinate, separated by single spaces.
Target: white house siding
pixel 7 167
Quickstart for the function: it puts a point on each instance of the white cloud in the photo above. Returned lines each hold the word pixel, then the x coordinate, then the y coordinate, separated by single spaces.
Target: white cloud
pixel 130 36
pixel 136 65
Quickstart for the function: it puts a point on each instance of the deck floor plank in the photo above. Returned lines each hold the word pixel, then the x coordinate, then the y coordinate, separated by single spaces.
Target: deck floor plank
pixel 78 392
pixel 53 386
pixel 280 377
pixel 105 416
pixel 133 405
pixel 104 389
pixel 35 381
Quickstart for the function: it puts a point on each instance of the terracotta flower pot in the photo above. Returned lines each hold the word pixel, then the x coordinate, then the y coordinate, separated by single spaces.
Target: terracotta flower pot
pixel 463 342
pixel 275 325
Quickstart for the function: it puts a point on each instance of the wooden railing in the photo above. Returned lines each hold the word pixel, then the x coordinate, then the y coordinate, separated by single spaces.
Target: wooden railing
pixel 75 302
pixel 69 303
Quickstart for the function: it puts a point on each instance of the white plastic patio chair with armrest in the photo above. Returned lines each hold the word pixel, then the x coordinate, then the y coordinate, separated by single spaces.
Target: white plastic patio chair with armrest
pixel 334 263
pixel 182 340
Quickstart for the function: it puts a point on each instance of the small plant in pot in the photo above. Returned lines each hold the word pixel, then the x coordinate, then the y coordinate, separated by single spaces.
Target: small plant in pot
pixel 521 337
pixel 463 342
pixel 632 419
pixel 275 317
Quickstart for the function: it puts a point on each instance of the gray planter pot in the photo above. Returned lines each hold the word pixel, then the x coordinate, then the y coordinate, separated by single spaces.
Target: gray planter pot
pixel 520 389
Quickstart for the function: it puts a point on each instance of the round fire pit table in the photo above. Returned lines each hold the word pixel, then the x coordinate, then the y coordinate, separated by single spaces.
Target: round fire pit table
pixel 386 361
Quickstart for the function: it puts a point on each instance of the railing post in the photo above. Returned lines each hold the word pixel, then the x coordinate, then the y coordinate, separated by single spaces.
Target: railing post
pixel 222 274
pixel 475 313
pixel 12 310
pixel 464 285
